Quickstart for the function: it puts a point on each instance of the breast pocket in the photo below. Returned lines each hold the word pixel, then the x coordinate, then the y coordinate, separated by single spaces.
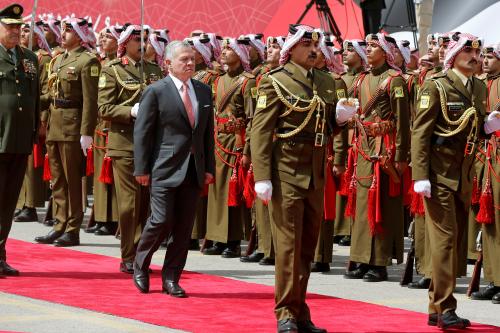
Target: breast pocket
pixel 72 119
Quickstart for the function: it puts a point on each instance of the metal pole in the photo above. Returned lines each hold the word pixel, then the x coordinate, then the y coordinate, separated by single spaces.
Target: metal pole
pixel 141 69
pixel 32 27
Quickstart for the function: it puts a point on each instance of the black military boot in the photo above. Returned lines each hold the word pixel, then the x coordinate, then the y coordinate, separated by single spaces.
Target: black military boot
pixel 307 326
pixel 68 239
pixel 233 250
pixel 107 229
pixel 486 293
pixel 94 228
pixel 322 267
pixel 451 320
pixel 376 274
pixel 254 257
pixel 27 214
pixel 345 241
pixel 215 250
pixel 357 273
pixel 49 238
pixel 496 299
pixel 422 283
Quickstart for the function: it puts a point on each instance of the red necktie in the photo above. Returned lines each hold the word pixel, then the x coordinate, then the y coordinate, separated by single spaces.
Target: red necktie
pixel 187 103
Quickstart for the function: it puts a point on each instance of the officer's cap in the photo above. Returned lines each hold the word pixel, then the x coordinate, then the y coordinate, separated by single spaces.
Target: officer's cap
pixel 12 14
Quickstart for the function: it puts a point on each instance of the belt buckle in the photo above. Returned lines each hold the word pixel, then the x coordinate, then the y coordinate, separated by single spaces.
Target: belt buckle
pixel 469 147
pixel 319 140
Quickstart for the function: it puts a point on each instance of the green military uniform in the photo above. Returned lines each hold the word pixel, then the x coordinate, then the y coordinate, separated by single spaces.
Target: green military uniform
pixel 229 224
pixel 73 78
pixel 119 90
pixel 296 168
pixel 441 160
pixel 19 122
pixel 34 190
pixel 207 76
pixel 378 246
pixel 324 246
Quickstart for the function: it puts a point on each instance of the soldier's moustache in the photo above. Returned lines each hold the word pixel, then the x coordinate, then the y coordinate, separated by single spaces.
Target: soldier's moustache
pixel 313 55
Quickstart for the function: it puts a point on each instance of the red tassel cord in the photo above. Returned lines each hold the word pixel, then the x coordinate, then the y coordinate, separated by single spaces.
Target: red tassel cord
pixel 486 213
pixel 90 162
pixel 407 187
pixel 106 175
pixel 350 208
pixel 417 203
pixel 249 190
pixel 345 180
pixel 38 155
pixel 476 193
pixel 47 176
pixel 374 209
pixel 329 196
pixel 233 197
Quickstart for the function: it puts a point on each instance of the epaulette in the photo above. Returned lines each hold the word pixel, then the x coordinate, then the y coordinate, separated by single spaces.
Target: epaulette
pixel 394 73
pixel 211 71
pixel 437 75
pixel 91 54
pixel 248 75
pixel 277 69
pixel 113 62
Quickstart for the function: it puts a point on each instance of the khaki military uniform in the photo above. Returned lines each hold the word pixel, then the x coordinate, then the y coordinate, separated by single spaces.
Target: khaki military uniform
pixel 296 168
pixel 442 161
pixel 34 190
pixel 119 90
pixel 73 78
pixel 229 224
pixel 378 245
pixel 19 122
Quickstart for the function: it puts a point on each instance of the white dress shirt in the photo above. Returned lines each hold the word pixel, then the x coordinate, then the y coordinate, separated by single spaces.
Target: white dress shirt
pixel 192 95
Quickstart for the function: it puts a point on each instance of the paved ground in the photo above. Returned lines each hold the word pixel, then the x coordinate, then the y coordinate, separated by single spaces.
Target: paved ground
pixel 24 314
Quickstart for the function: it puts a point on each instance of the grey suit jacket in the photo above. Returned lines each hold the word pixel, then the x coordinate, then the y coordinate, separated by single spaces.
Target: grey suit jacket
pixel 163 137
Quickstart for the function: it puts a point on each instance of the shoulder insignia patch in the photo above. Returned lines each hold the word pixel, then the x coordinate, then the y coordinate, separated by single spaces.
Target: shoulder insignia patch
pixel 424 101
pixel 102 81
pixel 94 71
pixel 398 92
pixel 340 93
pixel 254 92
pixel 262 102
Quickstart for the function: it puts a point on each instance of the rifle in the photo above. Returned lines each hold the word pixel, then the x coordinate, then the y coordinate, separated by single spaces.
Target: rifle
pixel 476 274
pixel 407 276
pixel 32 27
pixel 252 241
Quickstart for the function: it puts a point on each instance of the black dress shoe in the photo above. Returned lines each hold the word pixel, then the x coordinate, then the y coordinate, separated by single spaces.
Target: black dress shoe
pixel 267 261
pixel 358 273
pixel 496 299
pixel 254 257
pixel 287 326
pixel 486 293
pixel 7 270
pixel 451 320
pixel 93 228
pixel 422 283
pixel 173 289
pixel 107 229
pixel 308 327
pixel 432 320
pixel 27 214
pixel 194 245
pixel 336 239
pixel 68 239
pixel 231 252
pixel 127 267
pixel 345 241
pixel 50 222
pixel 141 279
pixel 376 274
pixel 320 267
pixel 17 212
pixel 214 250
pixel 49 238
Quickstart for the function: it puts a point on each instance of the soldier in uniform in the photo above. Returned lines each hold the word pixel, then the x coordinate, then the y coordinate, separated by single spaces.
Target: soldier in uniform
pixel 433 57
pixel 448 123
pixel 52 29
pixel 34 189
pixel 295 115
pixel 257 52
pixel 73 79
pixel 336 160
pixel 491 183
pixel 19 119
pixel 228 218
pixel 382 147
pixel 120 88
pixel 105 202
pixel 155 48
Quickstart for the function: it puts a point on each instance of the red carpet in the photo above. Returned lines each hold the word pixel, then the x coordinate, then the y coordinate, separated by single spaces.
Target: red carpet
pixel 216 304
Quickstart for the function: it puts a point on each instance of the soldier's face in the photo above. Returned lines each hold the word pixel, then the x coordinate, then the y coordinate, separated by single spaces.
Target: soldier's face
pixel 69 39
pixel 467 60
pixel 305 53
pixel 108 43
pixel 433 51
pixel 133 48
pixel 182 64
pixel 198 58
pixel 273 53
pixel 320 61
pixel 25 37
pixel 50 36
pixel 10 35
pixel 351 58
pixel 375 54
pixel 398 58
pixel 442 52
pixel 254 54
pixel 491 64
pixel 230 58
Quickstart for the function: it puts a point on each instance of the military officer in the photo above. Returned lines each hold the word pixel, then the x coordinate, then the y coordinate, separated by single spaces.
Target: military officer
pixel 52 29
pixel 382 149
pixel 19 119
pixel 296 106
pixel 491 183
pixel 336 160
pixel 155 48
pixel 257 52
pixel 120 88
pixel 73 79
pixel 433 54
pixel 228 218
pixel 34 189
pixel 448 123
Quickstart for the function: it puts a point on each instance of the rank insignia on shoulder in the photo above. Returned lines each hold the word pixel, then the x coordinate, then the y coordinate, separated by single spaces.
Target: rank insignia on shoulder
pixel 398 92
pixel 47 66
pixel 425 101
pixel 102 81
pixel 94 71
pixel 253 90
pixel 340 93
pixel 262 102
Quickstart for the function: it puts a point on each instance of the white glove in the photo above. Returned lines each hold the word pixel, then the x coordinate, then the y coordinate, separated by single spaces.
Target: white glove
pixel 423 187
pixel 134 110
pixel 345 111
pixel 85 143
pixel 492 124
pixel 264 190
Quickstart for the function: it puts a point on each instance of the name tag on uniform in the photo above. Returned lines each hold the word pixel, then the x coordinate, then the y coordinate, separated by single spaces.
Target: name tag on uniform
pixel 102 81
pixel 254 92
pixel 398 92
pixel 455 106
pixel 262 102
pixel 425 101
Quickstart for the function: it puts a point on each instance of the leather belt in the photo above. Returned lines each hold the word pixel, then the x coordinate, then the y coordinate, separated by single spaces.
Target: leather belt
pixel 67 104
pixel 230 126
pixel 307 138
pixel 379 128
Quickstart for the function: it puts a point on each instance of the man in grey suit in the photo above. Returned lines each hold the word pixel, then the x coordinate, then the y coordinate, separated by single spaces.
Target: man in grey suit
pixel 174 154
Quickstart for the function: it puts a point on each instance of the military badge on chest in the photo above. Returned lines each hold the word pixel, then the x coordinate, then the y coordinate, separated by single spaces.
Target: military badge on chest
pixel 152 78
pixel 29 68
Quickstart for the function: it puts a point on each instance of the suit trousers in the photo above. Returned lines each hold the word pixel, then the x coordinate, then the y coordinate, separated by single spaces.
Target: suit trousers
pixel 446 218
pixel 296 215
pixel 65 160
pixel 133 205
pixel 12 169
pixel 34 190
pixel 264 234
pixel 172 216
pixel 324 248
